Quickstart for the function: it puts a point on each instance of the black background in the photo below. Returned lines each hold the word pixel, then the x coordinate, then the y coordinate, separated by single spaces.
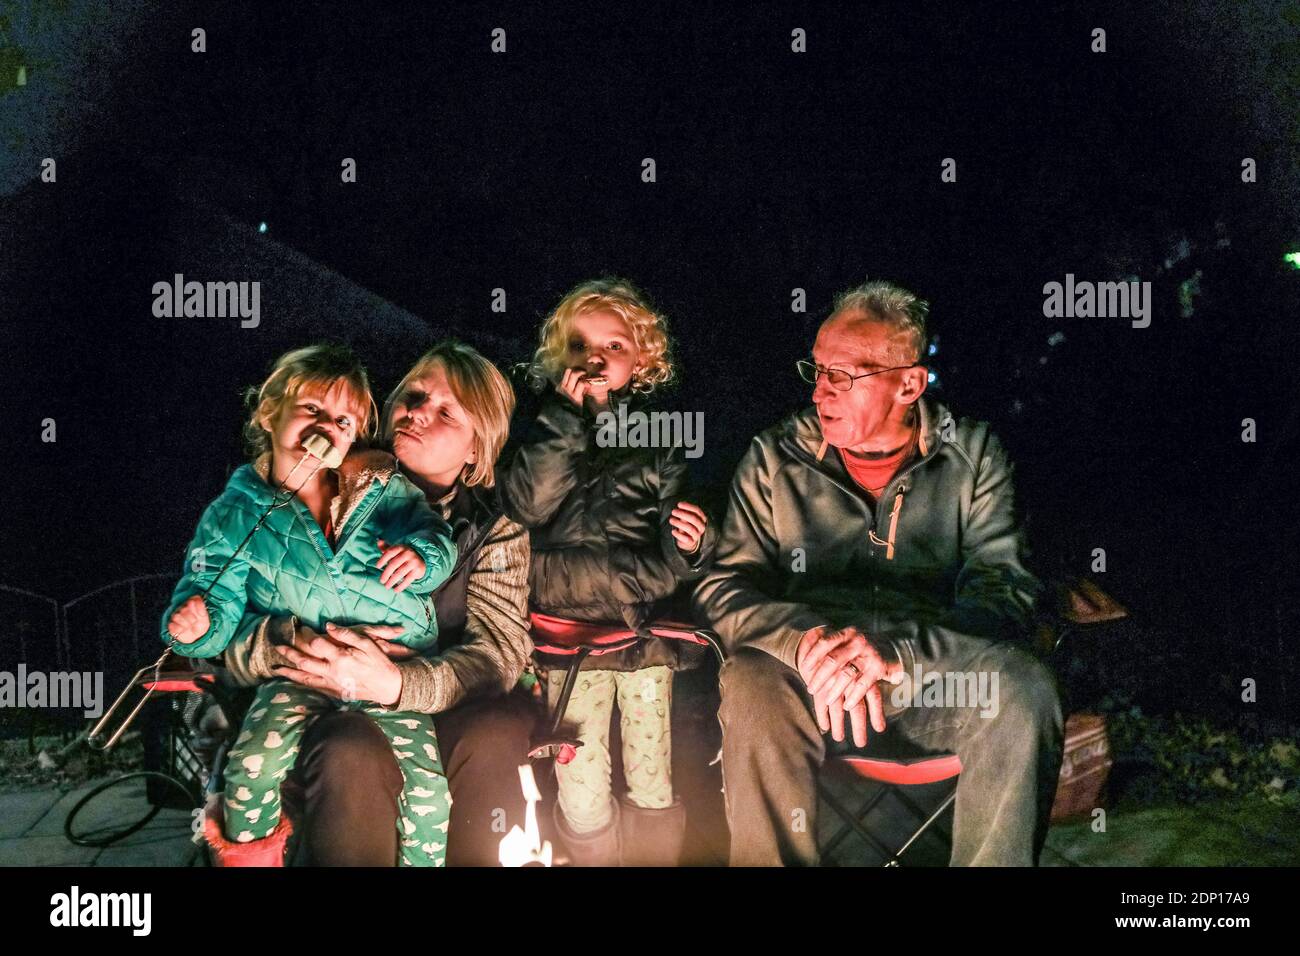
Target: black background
pixel 775 170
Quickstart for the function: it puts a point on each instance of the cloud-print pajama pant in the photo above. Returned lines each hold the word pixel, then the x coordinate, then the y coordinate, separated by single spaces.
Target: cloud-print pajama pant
pixel 645 702
pixel 267 747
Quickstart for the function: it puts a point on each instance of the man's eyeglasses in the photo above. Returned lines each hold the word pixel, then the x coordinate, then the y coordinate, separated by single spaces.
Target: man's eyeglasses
pixel 840 379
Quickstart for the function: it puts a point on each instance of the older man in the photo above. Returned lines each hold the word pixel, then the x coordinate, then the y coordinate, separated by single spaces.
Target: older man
pixel 870 555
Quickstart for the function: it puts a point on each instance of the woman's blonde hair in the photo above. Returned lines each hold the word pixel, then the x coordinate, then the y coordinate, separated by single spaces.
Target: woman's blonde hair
pixel 649 333
pixel 325 365
pixel 482 391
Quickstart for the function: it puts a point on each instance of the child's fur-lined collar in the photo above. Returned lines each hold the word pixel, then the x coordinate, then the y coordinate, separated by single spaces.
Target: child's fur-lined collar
pixel 355 475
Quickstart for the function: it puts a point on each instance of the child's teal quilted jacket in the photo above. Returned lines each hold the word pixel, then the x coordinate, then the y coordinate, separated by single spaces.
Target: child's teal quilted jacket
pixel 289 566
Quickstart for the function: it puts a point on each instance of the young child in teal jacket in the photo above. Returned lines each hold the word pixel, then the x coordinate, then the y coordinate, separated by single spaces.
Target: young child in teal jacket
pixel 353 545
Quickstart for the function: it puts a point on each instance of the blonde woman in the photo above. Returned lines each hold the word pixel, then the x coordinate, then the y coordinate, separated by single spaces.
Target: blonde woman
pixel 611 536
pixel 447 421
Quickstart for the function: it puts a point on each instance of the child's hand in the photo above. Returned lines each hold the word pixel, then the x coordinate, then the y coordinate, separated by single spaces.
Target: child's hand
pixel 688 523
pixel 573 385
pixel 190 621
pixel 401 564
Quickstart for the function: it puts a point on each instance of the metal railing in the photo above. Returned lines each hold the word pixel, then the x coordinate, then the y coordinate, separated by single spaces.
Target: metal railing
pixel 115 627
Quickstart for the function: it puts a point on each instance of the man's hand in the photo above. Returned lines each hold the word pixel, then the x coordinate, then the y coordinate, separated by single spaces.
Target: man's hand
pixel 842 670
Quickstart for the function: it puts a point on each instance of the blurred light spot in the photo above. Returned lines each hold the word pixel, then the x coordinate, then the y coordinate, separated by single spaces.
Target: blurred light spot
pixel 1188 290
pixel 1293 258
pixel 932 377
pixel 261 227
pixel 1056 338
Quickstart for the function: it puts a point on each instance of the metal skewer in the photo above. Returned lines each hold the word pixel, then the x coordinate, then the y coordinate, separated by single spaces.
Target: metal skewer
pixel 317 447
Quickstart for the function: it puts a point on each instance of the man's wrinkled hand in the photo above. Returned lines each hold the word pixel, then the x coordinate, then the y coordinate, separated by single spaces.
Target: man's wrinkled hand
pixel 842 669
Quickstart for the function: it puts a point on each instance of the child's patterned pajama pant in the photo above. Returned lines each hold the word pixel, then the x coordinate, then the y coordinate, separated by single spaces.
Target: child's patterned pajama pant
pixel 645 702
pixel 268 744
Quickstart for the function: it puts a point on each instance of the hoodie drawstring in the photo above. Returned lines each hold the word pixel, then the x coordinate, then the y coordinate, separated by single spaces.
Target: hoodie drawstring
pixel 893 528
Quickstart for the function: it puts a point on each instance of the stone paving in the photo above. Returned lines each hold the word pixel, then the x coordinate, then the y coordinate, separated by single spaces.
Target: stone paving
pixel 31 829
pixel 1232 833
pixel 1238 831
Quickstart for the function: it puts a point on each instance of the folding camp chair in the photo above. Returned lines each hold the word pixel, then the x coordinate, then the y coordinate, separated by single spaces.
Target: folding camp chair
pixel 568 643
pixel 1079 604
pixel 893 777
pixel 193 749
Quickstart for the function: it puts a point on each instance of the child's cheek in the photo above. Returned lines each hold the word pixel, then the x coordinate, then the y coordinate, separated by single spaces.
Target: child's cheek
pixel 284 430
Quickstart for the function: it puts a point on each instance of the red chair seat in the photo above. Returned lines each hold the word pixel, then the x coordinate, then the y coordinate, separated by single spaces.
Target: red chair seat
pixel 178 682
pixel 672 630
pixel 903 772
pixel 558 635
pixel 561 636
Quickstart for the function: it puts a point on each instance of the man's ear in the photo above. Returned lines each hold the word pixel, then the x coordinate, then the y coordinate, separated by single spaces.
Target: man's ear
pixel 913 384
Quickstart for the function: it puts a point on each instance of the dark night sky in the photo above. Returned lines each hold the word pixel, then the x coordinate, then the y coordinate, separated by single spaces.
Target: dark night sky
pixel 775 171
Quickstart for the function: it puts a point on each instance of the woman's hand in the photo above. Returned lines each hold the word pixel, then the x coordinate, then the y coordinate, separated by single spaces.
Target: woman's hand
pixel 350 663
pixel 688 523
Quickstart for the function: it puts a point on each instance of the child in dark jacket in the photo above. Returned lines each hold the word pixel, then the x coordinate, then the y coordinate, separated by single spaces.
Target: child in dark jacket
pixel 356 544
pixel 611 537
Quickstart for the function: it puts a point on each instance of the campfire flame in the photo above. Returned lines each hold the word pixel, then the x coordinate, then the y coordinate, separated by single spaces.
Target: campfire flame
pixel 525 847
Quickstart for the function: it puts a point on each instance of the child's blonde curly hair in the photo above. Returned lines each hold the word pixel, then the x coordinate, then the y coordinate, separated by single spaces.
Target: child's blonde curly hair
pixel 326 365
pixel 649 333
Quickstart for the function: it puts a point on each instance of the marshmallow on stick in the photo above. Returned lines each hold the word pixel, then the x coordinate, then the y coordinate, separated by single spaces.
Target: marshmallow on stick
pixel 318 446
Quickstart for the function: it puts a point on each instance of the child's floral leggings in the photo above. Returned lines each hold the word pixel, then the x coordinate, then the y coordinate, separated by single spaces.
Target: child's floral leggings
pixel 645 701
pixel 268 745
